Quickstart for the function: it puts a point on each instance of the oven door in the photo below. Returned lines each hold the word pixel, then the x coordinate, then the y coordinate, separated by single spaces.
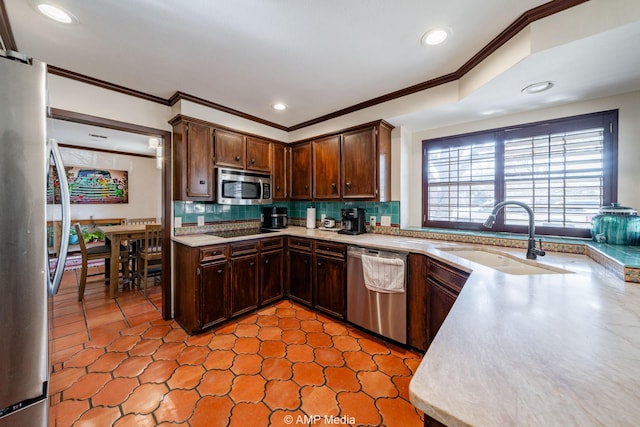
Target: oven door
pixel 235 187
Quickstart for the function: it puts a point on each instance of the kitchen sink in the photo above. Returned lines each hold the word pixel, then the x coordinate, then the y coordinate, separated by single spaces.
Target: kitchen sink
pixel 502 261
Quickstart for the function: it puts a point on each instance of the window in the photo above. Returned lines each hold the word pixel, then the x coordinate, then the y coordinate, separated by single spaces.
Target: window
pixel 564 169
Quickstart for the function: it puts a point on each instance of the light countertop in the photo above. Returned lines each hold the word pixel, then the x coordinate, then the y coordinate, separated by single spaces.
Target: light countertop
pixel 552 349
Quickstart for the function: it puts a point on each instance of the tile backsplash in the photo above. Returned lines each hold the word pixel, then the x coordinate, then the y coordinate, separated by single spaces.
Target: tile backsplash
pixel 213 212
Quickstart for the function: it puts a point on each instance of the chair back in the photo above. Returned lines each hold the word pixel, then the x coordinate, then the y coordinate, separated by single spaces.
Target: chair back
pixel 81 243
pixel 130 221
pixel 152 243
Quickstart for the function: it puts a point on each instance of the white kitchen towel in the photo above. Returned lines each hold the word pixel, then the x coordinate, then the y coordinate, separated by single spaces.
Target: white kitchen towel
pixel 311 217
pixel 384 275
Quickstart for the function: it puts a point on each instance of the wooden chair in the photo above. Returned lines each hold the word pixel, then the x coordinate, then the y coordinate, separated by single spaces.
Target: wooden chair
pixel 134 244
pixel 149 254
pixel 141 221
pixel 96 252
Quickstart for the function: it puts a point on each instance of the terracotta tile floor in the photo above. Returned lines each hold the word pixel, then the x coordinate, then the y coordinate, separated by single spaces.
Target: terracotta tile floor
pixel 116 362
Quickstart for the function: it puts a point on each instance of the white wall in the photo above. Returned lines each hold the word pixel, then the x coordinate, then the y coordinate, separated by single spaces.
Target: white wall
pixel 628 145
pixel 145 185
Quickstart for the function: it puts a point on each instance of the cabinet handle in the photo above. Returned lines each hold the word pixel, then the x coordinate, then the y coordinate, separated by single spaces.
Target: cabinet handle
pixel 306 187
pixel 348 184
pixel 306 262
pixel 253 161
pixel 237 158
pixel 333 185
pixel 278 187
pixel 266 261
pixel 252 264
pixel 219 271
pixel 202 182
pixel 319 264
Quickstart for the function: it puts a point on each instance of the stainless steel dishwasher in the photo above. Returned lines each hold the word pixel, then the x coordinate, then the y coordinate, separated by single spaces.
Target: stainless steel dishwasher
pixel 382 313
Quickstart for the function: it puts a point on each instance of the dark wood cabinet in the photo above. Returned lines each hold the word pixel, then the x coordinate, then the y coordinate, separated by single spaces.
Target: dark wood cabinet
pixel 193 162
pixel 329 278
pixel 213 285
pixel 300 280
pixel 417 302
pixel 433 289
pixel 230 149
pixel 301 171
pixel 258 155
pixel 244 293
pixel 201 293
pixel 279 171
pixel 358 164
pixel 271 270
pixel 326 168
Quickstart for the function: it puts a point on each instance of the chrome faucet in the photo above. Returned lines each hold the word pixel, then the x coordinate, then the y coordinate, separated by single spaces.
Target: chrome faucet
pixel 532 251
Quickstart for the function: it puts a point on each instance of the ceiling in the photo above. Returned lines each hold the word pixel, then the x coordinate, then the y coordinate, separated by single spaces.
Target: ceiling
pixel 319 56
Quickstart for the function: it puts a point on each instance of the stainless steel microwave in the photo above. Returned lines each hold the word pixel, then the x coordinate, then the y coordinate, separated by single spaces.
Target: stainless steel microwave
pixel 239 187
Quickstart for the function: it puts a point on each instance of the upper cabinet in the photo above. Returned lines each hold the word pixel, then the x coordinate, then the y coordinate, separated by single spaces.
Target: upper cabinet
pixel 354 164
pixel 193 162
pixel 258 154
pixel 230 149
pixel 301 171
pixel 279 160
pixel 326 167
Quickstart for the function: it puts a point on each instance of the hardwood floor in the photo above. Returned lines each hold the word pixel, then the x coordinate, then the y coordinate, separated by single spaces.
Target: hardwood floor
pixel 117 363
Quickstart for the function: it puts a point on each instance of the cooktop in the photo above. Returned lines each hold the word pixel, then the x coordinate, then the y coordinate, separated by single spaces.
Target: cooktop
pixel 238 233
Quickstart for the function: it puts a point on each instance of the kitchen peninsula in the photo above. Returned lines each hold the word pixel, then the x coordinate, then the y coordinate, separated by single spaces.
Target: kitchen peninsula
pixel 552 349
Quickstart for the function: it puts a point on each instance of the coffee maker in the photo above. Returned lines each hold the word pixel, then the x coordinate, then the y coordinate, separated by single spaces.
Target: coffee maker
pixel 352 221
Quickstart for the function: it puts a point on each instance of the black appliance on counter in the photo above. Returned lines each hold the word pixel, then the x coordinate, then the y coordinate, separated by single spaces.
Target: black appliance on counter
pixel 274 217
pixel 352 221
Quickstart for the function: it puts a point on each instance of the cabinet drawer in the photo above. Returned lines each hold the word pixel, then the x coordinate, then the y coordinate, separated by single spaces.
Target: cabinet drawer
pixel 447 275
pixel 271 243
pixel 244 248
pixel 337 250
pixel 301 244
pixel 213 253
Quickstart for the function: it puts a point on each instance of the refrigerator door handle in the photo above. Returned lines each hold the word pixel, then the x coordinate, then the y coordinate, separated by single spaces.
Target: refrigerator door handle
pixel 54 151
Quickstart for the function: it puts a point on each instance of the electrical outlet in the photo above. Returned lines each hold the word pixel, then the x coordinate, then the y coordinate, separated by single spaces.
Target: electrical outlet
pixel 385 221
pixel 200 220
pixel 322 217
pixel 372 220
pixel 177 222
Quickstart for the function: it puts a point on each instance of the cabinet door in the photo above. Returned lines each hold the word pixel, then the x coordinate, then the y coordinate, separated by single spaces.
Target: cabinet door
pixel 301 171
pixel 330 292
pixel 359 166
pixel 258 154
pixel 199 179
pixel 417 302
pixel 441 299
pixel 213 293
pixel 230 149
pixel 300 276
pixel 279 172
pixel 244 284
pixel 326 168
pixel 271 276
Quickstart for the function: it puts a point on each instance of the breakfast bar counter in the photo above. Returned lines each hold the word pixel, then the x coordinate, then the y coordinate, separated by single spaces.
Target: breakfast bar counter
pixel 544 349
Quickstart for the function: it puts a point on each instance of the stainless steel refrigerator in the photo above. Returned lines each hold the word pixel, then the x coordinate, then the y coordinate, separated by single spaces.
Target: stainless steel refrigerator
pixel 26 281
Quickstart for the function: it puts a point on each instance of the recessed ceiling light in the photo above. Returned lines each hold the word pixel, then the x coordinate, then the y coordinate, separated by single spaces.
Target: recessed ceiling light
pixel 56 13
pixel 538 87
pixel 435 36
pixel 279 106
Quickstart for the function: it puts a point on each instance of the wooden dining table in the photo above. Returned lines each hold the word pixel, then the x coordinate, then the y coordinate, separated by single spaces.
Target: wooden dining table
pixel 116 234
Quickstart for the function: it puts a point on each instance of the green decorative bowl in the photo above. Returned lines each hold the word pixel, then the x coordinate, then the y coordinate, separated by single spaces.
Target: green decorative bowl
pixel 618 225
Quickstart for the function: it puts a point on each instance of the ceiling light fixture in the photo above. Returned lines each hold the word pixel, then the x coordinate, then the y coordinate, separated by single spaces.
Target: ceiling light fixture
pixel 279 106
pixel 537 87
pixel 435 36
pixel 56 13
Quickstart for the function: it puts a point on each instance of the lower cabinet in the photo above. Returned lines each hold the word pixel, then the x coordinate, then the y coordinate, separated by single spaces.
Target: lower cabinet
pixel 271 274
pixel 244 294
pixel 213 290
pixel 202 286
pixel 433 289
pixel 300 276
pixel 330 274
